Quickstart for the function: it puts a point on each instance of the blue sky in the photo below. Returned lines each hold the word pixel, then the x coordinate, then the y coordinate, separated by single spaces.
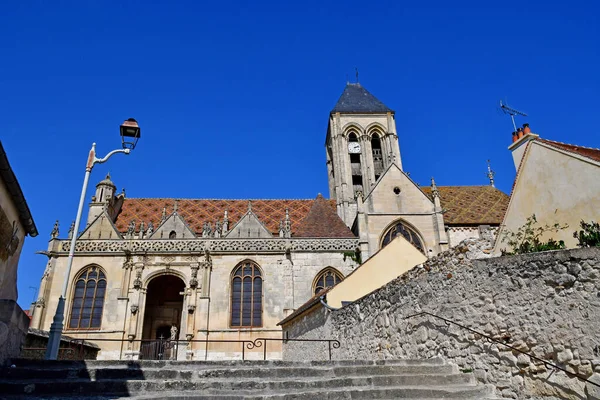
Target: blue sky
pixel 233 97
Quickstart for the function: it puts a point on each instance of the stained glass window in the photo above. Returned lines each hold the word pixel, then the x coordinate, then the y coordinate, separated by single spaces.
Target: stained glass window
pixel 408 233
pixel 246 296
pixel 327 278
pixel 88 299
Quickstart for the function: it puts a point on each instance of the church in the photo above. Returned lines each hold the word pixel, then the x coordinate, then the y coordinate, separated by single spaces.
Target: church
pixel 209 272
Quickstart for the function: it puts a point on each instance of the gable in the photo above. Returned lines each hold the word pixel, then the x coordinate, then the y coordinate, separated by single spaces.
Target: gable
pixel 101 227
pixel 557 188
pixel 249 227
pixel 174 223
pixel 409 199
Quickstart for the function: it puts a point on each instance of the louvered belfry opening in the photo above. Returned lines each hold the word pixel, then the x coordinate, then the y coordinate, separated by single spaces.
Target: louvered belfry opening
pixel 246 296
pixel 355 165
pixel 377 155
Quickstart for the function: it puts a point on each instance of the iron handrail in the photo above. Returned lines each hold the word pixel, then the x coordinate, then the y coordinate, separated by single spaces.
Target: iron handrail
pixel 491 339
pixel 247 344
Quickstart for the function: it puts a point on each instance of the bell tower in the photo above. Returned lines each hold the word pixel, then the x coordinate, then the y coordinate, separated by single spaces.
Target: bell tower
pixel 361 144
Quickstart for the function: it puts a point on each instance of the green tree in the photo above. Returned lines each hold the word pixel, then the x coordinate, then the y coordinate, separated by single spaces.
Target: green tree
pixel 589 235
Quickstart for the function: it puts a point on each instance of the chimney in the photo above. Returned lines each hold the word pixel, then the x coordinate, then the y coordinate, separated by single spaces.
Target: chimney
pixel 523 136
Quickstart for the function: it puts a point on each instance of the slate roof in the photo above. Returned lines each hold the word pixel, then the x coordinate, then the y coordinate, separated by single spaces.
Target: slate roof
pixel 588 152
pixel 198 211
pixel 322 221
pixel 471 205
pixel 357 99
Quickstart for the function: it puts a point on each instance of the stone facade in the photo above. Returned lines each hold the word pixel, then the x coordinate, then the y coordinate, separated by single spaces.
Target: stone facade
pixel 200 243
pixel 545 304
pixel 15 223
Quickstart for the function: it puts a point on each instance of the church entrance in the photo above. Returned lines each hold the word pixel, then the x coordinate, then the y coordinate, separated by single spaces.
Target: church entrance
pixel 162 317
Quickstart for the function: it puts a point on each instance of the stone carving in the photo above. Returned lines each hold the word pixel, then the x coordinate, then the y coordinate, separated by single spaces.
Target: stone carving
pixel 174 332
pixel 150 230
pixel 141 235
pixel 194 278
pixel 134 308
pixel 207 230
pixel 164 215
pixel 285 225
pixel 225 227
pixel 54 233
pixel 41 302
pixel 71 230
pixel 191 308
pixel 275 245
pixel 218 229
pixel 434 189
pixel 131 229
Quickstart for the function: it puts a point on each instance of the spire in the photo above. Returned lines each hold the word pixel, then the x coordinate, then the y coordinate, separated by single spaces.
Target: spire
pixel 357 99
pixel 490 174
pixel 71 230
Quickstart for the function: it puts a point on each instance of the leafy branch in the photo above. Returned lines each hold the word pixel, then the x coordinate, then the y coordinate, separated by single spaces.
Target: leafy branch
pixel 527 239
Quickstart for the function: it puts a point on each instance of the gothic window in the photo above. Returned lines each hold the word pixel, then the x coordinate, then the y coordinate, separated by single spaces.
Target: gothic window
pixel 377 155
pixel 327 278
pixel 399 228
pixel 246 296
pixel 88 299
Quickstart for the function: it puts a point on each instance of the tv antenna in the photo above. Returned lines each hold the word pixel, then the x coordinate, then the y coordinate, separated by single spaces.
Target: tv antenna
pixel 512 112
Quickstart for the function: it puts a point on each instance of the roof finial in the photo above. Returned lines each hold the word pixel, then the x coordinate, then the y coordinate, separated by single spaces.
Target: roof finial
pixel 175 205
pixel 54 232
pixel 491 174
pixel 434 190
pixel 249 205
pixel 356 69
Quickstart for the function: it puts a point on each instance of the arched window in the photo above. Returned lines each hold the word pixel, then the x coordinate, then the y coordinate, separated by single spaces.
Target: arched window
pixel 246 296
pixel 399 228
pixel 326 278
pixel 172 235
pixel 88 299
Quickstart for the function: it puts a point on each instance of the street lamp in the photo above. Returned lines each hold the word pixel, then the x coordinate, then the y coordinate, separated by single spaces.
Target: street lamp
pixel 130 134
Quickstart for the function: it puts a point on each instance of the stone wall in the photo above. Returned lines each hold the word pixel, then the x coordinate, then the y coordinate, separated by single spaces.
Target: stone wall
pixel 13 329
pixel 546 304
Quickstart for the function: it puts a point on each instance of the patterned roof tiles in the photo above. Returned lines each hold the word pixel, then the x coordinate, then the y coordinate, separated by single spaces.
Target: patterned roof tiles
pixel 198 211
pixel 322 221
pixel 471 205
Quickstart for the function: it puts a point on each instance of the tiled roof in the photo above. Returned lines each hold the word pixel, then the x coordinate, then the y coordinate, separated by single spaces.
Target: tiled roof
pixel 197 212
pixel 588 152
pixel 357 99
pixel 322 221
pixel 471 205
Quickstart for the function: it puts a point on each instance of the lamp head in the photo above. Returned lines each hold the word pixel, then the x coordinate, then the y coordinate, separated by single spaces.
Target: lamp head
pixel 130 133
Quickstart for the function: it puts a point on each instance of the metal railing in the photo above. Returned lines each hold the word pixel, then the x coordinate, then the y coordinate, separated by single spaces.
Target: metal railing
pixel 491 339
pixel 167 349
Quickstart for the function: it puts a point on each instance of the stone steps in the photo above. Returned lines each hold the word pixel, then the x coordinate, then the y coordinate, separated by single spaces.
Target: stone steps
pixel 420 379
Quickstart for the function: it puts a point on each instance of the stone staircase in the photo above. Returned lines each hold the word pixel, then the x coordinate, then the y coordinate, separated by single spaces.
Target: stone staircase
pixel 225 380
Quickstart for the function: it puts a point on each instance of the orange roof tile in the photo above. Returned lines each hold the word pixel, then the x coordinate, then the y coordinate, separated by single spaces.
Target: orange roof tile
pixel 322 221
pixel 588 152
pixel 198 211
pixel 471 205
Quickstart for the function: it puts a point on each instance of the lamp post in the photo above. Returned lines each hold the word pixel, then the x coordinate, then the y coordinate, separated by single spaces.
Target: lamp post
pixel 130 134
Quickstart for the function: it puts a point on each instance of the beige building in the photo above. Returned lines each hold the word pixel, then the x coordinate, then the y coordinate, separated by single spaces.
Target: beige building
pixel 16 222
pixel 558 182
pixel 199 269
